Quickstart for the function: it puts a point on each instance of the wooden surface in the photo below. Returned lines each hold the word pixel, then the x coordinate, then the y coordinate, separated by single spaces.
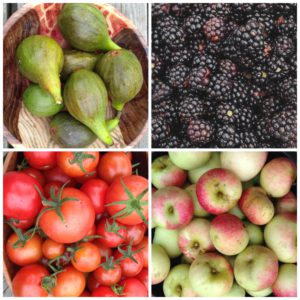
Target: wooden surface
pixel 129 130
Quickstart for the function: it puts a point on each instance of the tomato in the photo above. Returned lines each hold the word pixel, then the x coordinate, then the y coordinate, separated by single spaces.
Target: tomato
pixel 96 191
pixel 70 283
pixel 20 198
pixel 29 254
pixel 129 154
pixel 86 258
pixel 76 164
pixel 36 174
pixel 104 251
pixel 116 192
pixel 133 288
pixel 55 185
pixel 143 277
pixel 103 291
pixel 22 224
pixel 56 174
pixel 41 160
pixel 129 267
pixel 92 283
pixel 108 276
pixel 91 232
pixel 135 233
pixel 86 177
pixel 113 165
pixel 52 249
pixel 112 232
pixel 28 281
pixel 79 217
pixel 144 250
pixel 85 293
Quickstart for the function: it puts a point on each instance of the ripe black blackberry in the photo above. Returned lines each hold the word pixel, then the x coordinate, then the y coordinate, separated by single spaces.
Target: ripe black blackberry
pixel 222 10
pixel 171 142
pixel 214 29
pixel 160 131
pixel 248 140
pixel 193 25
pixel 287 89
pixel 167 22
pixel 198 78
pixel 228 68
pixel 173 36
pixel 219 87
pixel 240 12
pixel 157 42
pixel 160 91
pixel 287 25
pixel 160 10
pixel 265 18
pixel 182 56
pixel 278 68
pixel 156 65
pixel 200 132
pixel 227 113
pixel 192 106
pixel 260 75
pixel 240 93
pixel 246 118
pixel 227 137
pixel 262 131
pixel 197 45
pixel 167 109
pixel 205 60
pixel 284 46
pixel 270 106
pixel 177 75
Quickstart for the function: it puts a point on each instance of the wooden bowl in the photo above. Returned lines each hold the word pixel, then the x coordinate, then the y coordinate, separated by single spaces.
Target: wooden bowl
pixel 10 163
pixel 21 128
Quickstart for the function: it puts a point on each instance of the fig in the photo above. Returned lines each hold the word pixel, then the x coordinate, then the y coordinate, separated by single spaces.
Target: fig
pixel 75 60
pixel 122 74
pixel 86 99
pixel 70 133
pixel 39 102
pixel 40 59
pixel 84 27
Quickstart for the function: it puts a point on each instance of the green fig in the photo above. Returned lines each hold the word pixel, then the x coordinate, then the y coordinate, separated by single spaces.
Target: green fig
pixel 86 99
pixel 75 60
pixel 122 74
pixel 70 133
pixel 40 59
pixel 84 27
pixel 39 102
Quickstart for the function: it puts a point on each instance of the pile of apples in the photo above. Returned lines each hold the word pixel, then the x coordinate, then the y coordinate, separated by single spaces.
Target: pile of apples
pixel 225 224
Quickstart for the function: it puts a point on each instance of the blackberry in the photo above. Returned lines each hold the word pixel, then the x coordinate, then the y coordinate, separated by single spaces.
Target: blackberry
pixel 160 91
pixel 284 46
pixel 266 19
pixel 270 106
pixel 191 106
pixel 200 132
pixel 260 75
pixel 262 132
pixel 241 11
pixel 166 109
pixel 156 65
pixel 198 79
pixel 205 60
pixel 177 75
pixel 245 118
pixel 172 142
pixel 227 137
pixel 240 93
pixel 227 113
pixel 160 131
pixel 287 26
pixel 248 140
pixel 256 95
pixel 167 22
pixel 193 25
pixel 214 29
pixel 222 10
pixel 287 89
pixel 160 10
pixel 228 68
pixel 157 43
pixel 197 45
pixel 278 68
pixel 219 87
pixel 173 36
pixel 182 56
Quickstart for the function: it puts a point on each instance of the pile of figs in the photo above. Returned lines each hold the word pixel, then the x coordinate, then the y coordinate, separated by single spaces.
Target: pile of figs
pixel 94 70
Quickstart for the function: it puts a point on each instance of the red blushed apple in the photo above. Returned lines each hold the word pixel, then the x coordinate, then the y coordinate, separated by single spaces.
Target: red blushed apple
pixel 172 207
pixel 218 190
pixel 256 205
pixel 228 234
pixel 277 176
pixel 287 203
pixel 165 173
pixel 194 238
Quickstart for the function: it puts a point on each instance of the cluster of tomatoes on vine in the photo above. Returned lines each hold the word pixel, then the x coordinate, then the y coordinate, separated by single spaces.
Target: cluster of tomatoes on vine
pixel 79 223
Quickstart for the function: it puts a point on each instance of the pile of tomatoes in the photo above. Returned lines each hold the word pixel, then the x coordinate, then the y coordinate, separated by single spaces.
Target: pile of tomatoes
pixel 79 223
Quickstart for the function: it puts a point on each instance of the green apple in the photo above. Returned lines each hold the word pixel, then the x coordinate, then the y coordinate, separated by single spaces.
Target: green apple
pixel 160 264
pixel 189 160
pixel 237 212
pixel 263 293
pixel 168 239
pixel 199 211
pixel 236 291
pixel 255 232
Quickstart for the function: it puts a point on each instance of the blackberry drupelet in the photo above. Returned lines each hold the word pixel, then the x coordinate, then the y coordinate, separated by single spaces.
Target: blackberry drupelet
pixel 227 137
pixel 198 78
pixel 205 60
pixel 214 29
pixel 222 10
pixel 278 68
pixel 193 25
pixel 160 91
pixel 227 113
pixel 160 131
pixel 173 36
pixel 228 68
pixel 177 75
pixel 246 119
pixel 287 26
pixel 284 46
pixel 167 109
pixel 270 106
pixel 156 65
pixel 219 87
pixel 248 140
pixel 200 132
pixel 182 56
pixel 192 106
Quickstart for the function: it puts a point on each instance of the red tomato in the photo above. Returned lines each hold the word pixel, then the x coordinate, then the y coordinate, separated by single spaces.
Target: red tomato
pixel 113 165
pixel 56 174
pixel 55 185
pixel 144 250
pixel 86 177
pixel 87 258
pixel 91 232
pixel 29 254
pixel 85 293
pixel 23 224
pixel 52 249
pixel 129 267
pixel 92 283
pixel 108 277
pixel 41 160
pixel 116 192
pixel 36 174
pixel 79 217
pixel 112 232
pixel 143 277
pixel 135 233
pixel 20 198
pixel 70 283
pixel 77 164
pixel 133 288
pixel 28 281
pixel 129 154
pixel 96 191
pixel 103 291
pixel 104 251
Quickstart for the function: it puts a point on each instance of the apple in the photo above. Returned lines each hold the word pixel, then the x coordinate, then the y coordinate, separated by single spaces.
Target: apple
pixel 277 176
pixel 286 282
pixel 237 212
pixel 172 207
pixel 256 205
pixel 214 162
pixel 235 291
pixel 256 268
pixel 281 236
pixel 263 293
pixel 245 165
pixel 287 203
pixel 199 211
pixel 231 259
pixel 177 283
pixel 189 160
pixel 228 234
pixel 194 238
pixel 165 173
pixel 255 232
pixel 160 264
pixel 211 275
pixel 218 191
pixel 168 239
pixel 185 260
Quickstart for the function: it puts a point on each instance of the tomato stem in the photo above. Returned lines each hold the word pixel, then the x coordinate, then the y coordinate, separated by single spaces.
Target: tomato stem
pixel 79 158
